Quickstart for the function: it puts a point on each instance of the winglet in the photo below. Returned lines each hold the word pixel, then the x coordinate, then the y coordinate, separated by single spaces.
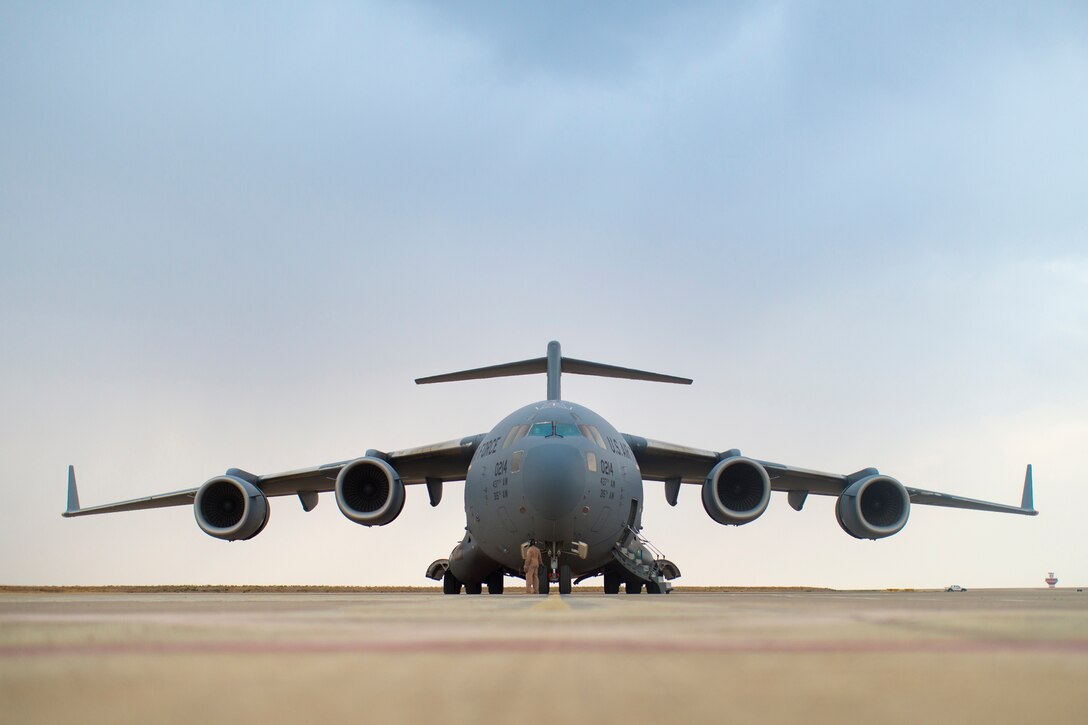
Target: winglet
pixel 1028 501
pixel 73 494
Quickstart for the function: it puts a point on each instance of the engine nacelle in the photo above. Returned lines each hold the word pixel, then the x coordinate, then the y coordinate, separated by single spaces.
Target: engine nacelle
pixel 369 492
pixel 874 507
pixel 736 491
pixel 230 508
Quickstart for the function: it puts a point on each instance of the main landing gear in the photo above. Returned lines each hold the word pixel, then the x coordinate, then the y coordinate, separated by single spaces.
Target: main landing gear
pixel 452 585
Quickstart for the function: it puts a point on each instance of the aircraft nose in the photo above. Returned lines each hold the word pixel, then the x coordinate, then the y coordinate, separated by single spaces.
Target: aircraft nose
pixel 554 478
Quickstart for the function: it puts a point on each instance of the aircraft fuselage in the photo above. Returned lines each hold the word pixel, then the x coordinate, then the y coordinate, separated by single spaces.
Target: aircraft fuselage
pixel 555 472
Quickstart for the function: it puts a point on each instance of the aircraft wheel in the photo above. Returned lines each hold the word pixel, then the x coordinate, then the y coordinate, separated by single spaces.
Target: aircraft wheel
pixel 611 583
pixel 542 580
pixel 630 587
pixel 653 588
pixel 564 579
pixel 495 582
pixel 474 587
pixel 450 584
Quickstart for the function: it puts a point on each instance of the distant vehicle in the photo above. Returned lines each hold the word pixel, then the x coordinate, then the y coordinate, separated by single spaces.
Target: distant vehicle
pixel 955 588
pixel 559 474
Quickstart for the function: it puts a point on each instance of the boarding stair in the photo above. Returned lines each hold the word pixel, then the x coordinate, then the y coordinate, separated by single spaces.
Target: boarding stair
pixel 643 561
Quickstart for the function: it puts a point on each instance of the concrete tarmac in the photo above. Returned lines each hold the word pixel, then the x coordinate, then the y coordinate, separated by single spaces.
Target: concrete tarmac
pixel 777 656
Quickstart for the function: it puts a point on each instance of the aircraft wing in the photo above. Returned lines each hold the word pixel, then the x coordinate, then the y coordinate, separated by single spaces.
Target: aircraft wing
pixel 669 462
pixel 439 462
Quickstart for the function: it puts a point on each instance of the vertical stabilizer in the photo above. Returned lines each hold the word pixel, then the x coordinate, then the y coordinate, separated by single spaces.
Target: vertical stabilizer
pixel 555 369
pixel 73 494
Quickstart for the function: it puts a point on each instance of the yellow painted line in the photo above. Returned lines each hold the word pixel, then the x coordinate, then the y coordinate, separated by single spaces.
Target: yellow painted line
pixel 552 603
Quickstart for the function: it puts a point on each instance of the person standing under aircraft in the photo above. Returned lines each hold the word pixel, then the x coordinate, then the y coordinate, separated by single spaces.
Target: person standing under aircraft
pixel 533 562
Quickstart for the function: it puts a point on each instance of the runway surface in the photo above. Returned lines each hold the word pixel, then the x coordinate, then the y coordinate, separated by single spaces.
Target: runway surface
pixel 1002 655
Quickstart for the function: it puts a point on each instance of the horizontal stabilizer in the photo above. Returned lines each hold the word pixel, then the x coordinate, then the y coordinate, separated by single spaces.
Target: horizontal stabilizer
pixel 585 367
pixel 506 370
pixel 540 365
pixel 554 365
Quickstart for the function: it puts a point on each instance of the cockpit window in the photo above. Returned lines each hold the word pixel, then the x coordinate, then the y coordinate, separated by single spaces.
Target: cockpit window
pixel 516 434
pixel 597 437
pixel 541 429
pixel 547 430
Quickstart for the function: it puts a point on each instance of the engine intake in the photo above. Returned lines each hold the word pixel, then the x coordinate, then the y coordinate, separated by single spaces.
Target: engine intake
pixel 874 507
pixel 369 492
pixel 230 508
pixel 736 491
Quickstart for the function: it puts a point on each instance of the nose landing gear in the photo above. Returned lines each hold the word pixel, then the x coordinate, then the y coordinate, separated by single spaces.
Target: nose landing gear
pixel 564 579
pixel 560 577
pixel 557 573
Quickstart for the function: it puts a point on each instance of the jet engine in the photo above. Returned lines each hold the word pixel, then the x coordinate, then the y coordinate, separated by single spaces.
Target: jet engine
pixel 736 491
pixel 369 492
pixel 230 508
pixel 874 507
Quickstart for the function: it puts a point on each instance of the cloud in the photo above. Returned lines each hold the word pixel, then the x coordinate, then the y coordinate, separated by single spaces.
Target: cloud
pixel 232 236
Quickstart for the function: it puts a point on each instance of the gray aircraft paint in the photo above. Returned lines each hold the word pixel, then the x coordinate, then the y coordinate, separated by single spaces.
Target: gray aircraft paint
pixel 550 488
pixel 555 472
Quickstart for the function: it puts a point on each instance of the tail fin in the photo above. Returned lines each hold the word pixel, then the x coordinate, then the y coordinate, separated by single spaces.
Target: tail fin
pixel 554 365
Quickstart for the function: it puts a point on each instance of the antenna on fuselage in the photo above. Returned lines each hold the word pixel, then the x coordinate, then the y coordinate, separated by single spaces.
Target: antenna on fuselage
pixel 554 365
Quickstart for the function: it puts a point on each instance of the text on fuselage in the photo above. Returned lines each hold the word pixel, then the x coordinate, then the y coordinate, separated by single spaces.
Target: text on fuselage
pixel 488 447
pixel 619 447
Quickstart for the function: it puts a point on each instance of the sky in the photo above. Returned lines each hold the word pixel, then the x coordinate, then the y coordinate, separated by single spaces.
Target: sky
pixel 233 236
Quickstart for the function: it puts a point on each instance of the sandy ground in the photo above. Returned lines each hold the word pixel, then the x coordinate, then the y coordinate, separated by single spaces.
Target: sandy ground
pixel 232 656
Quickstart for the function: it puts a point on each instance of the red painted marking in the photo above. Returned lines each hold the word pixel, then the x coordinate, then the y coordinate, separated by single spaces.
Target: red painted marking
pixel 1075 647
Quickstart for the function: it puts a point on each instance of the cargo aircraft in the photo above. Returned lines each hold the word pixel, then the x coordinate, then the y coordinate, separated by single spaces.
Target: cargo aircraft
pixel 556 473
